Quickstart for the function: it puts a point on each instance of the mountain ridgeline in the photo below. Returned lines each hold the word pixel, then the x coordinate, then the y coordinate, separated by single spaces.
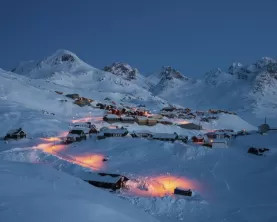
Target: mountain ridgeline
pixel 241 88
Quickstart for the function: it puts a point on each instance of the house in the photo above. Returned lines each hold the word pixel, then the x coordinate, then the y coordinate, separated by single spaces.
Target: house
pixel 219 143
pixel 141 120
pixel 141 134
pixel 191 126
pixel 165 136
pixel 111 118
pixel 127 119
pixel 104 180
pixel 151 121
pixel 119 132
pixel 198 139
pixel 184 192
pixel 264 128
pixel 82 101
pixel 73 96
pixel 88 125
pixel 15 134
pixel 183 138
pixel 76 134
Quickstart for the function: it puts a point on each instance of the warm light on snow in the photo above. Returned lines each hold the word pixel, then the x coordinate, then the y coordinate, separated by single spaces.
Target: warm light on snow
pixel 162 186
pixel 94 162
pixel 87 119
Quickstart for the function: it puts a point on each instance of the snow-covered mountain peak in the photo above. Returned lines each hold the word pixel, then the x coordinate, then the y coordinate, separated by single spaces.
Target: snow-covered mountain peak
pixel 264 62
pixel 61 61
pixel 122 69
pixel 167 72
pixel 235 68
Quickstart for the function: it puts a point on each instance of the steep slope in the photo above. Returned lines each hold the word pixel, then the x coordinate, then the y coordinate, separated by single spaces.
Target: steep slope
pixel 127 72
pixel 32 192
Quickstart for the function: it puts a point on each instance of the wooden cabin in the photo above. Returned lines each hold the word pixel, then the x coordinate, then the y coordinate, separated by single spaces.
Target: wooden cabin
pixel 184 192
pixel 76 134
pixel 105 180
pixel 73 96
pixel 141 134
pixel 88 129
pixel 191 126
pixel 15 134
pixel 165 136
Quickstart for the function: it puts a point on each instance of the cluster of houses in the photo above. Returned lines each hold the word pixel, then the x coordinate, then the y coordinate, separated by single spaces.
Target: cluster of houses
pixel 78 100
pixel 218 111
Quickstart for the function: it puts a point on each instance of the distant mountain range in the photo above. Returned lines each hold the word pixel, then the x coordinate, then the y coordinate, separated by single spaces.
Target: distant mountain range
pixel 241 88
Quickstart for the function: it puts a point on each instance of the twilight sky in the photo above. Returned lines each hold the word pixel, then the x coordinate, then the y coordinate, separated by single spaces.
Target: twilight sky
pixel 193 36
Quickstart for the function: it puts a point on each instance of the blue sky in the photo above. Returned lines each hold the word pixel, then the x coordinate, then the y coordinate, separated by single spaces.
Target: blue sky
pixel 193 36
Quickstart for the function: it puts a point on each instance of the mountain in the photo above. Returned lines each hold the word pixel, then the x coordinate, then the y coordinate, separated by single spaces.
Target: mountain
pixel 242 88
pixel 166 78
pixel 62 61
pixel 122 69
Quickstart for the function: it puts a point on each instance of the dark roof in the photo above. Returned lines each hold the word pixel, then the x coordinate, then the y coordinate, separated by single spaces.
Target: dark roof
pixel 76 131
pixel 100 177
pixel 15 131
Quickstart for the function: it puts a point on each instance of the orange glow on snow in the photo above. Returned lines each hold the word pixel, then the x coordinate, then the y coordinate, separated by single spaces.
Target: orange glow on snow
pixel 52 139
pixel 94 161
pixel 182 122
pixel 164 185
pixel 87 119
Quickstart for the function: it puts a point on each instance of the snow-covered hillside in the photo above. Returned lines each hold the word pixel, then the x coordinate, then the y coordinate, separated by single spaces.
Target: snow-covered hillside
pixel 37 192
pixel 228 184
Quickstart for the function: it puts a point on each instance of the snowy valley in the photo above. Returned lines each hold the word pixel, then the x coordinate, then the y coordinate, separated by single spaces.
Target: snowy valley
pixel 156 133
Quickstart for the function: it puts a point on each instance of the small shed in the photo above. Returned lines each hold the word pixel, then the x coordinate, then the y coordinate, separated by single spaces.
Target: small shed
pixel 15 134
pixel 191 126
pixel 92 128
pixel 219 143
pixel 184 192
pixel 165 136
pixel 105 180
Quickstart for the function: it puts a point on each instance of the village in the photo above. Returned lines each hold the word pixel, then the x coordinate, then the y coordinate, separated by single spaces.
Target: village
pixel 119 117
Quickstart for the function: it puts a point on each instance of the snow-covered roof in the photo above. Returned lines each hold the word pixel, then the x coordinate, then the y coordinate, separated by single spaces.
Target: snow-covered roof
pixel 112 116
pixel 73 135
pixel 141 118
pixel 14 131
pixel 118 131
pixel 127 117
pixel 219 141
pixel 164 135
pixel 90 176
pixel 141 132
pixel 85 129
